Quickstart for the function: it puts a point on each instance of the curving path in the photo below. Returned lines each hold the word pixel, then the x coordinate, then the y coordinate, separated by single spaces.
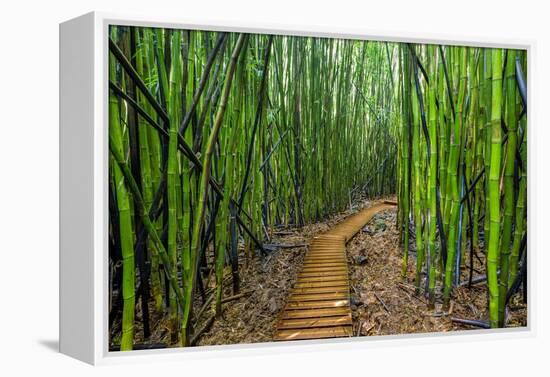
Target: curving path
pixel 319 303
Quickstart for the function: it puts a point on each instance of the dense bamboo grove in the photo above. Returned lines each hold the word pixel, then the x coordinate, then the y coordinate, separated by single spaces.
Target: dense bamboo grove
pixel 462 169
pixel 216 139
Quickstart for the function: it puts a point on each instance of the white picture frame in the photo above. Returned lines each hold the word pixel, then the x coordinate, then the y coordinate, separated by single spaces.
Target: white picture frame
pixel 83 190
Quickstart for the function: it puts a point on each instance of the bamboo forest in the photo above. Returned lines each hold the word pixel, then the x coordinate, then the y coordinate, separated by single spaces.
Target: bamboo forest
pixel 279 188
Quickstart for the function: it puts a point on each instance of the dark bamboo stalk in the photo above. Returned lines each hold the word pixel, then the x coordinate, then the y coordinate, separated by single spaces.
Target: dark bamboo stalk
pixel 202 83
pixel 257 118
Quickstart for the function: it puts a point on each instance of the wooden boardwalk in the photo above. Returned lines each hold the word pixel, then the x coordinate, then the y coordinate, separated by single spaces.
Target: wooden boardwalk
pixel 319 303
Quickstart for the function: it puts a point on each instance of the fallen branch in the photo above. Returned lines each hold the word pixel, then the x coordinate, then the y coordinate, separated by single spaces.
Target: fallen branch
pixel 476 280
pixel 137 347
pixel 382 302
pixel 283 233
pixel 471 322
pixel 276 246
pixel 206 304
pixel 236 297
pixel 406 288
pixel 359 328
pixel 203 329
pixel 451 308
pixel 208 323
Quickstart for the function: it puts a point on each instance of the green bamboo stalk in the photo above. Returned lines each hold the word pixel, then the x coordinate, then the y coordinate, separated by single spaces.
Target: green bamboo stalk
pixel 493 252
pixel 488 72
pixel 453 177
pixel 125 223
pixel 432 177
pixel 510 163
pixel 479 145
pixel 521 213
pixel 149 162
pixel 204 182
pixel 172 168
pixel 405 200
pixel 145 218
pixel 416 156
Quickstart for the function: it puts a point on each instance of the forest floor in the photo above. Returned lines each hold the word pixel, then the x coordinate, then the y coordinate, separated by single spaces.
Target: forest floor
pixel 253 319
pixel 383 303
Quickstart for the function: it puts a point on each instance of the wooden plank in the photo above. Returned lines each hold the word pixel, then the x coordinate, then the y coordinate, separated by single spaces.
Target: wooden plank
pixel 324 269
pixel 322 278
pixel 322 273
pixel 343 267
pixel 327 252
pixel 330 272
pixel 327 249
pixel 325 256
pixel 325 260
pixel 316 313
pixel 318 284
pixel 319 296
pixel 327 236
pixel 320 255
pixel 329 262
pixel 317 304
pixel 333 270
pixel 344 320
pixel 305 291
pixel 315 333
pixel 335 265
pixel 338 241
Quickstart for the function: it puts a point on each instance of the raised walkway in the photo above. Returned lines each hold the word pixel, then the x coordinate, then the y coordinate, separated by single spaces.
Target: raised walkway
pixel 319 303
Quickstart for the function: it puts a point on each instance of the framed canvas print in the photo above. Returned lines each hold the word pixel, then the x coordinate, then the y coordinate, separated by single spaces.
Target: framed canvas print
pixel 236 189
